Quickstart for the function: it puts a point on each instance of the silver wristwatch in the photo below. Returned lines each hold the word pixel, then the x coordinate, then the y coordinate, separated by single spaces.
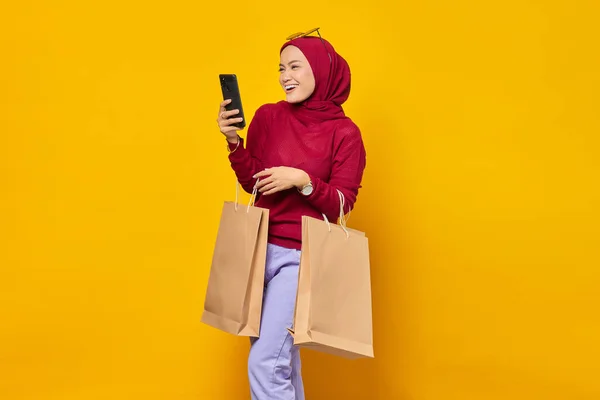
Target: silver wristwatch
pixel 306 189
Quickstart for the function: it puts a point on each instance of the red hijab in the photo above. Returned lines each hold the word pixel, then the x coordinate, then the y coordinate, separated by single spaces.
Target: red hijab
pixel 332 80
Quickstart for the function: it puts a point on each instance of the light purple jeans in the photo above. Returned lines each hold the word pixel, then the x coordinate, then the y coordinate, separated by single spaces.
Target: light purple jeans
pixel 274 362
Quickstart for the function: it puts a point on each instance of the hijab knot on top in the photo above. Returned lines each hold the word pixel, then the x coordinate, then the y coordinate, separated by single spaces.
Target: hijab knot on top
pixel 332 80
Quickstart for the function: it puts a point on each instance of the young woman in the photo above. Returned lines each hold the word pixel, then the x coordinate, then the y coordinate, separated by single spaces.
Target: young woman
pixel 301 151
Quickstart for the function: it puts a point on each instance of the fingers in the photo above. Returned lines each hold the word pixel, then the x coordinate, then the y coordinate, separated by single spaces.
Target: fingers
pixel 226 122
pixel 272 182
pixel 224 119
pixel 271 192
pixel 225 115
pixel 266 172
pixel 270 188
pixel 223 104
pixel 228 114
pixel 264 182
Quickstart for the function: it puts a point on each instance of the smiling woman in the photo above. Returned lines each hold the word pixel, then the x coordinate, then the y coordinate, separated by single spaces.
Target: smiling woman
pixel 300 152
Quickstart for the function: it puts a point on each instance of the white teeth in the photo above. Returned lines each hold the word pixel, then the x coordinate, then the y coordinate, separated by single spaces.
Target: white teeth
pixel 289 87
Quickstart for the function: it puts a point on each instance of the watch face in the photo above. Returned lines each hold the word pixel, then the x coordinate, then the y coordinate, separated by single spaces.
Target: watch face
pixel 306 190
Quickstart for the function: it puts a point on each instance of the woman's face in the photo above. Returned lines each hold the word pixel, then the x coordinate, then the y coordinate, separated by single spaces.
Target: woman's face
pixel 295 75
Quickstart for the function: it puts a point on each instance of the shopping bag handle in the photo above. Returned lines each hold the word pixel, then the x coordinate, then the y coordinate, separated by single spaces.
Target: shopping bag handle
pixel 342 218
pixel 252 196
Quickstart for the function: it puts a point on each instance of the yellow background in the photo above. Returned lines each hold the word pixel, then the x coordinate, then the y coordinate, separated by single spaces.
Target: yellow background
pixel 480 198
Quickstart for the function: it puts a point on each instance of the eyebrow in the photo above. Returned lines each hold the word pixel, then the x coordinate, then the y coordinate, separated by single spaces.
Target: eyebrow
pixel 290 63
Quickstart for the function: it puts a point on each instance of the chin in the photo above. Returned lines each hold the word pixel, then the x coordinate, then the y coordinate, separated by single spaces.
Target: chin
pixel 294 99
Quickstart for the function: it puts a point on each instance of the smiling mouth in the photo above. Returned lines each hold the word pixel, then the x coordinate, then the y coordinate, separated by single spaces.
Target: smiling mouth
pixel 290 88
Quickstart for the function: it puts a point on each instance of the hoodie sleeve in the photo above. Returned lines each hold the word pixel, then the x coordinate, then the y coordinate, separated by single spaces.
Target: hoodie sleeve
pixel 349 162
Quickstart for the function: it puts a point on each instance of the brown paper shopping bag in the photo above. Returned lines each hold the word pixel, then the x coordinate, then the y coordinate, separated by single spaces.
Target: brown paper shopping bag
pixel 333 304
pixel 234 293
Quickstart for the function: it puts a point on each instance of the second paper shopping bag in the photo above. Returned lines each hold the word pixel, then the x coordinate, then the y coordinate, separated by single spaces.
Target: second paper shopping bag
pixel 333 305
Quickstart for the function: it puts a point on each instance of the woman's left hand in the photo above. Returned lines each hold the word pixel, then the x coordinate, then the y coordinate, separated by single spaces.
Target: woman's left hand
pixel 277 179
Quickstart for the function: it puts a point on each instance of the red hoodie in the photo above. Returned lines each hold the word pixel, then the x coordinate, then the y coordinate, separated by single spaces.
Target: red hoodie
pixel 314 136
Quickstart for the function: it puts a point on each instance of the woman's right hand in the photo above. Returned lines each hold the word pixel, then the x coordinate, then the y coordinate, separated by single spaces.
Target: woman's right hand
pixel 226 122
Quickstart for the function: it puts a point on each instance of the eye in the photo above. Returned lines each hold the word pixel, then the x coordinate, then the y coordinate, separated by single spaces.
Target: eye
pixel 295 66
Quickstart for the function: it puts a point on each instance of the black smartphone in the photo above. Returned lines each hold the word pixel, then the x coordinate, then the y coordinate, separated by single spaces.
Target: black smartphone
pixel 231 90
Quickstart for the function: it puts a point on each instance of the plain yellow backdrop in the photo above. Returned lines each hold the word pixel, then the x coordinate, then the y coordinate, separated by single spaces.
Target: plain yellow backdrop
pixel 480 199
